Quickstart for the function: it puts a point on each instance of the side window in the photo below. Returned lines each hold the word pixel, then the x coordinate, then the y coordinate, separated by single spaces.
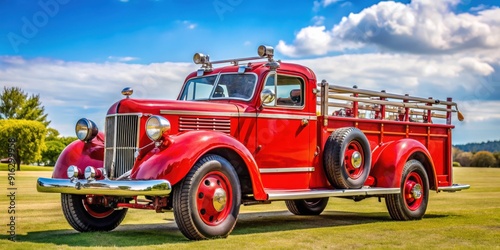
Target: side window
pixel 289 91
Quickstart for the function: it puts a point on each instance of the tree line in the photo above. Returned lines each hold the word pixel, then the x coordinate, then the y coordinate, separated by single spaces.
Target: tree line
pixel 482 158
pixel 491 146
pixel 23 118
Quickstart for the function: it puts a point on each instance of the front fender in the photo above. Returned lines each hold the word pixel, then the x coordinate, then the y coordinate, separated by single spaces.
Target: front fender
pixel 390 159
pixel 80 154
pixel 173 162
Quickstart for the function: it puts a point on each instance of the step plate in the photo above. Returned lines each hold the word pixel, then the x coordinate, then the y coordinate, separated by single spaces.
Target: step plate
pixel 275 195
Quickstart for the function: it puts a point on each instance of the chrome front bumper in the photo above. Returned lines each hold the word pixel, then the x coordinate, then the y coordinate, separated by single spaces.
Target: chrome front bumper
pixel 105 187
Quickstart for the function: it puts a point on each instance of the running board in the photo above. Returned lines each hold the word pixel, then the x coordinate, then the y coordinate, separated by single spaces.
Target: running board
pixel 454 188
pixel 276 195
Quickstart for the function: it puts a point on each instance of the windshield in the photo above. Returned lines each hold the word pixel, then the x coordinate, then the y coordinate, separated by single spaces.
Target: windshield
pixel 222 86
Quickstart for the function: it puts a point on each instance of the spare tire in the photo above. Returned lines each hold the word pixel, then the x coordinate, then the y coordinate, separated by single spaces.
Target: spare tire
pixel 347 158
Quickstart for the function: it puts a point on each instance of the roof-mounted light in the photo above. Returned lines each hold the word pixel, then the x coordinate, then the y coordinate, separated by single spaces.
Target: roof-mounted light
pixel 200 58
pixel 265 51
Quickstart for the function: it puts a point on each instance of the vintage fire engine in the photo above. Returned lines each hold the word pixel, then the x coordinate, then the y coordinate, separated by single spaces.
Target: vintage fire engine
pixel 253 132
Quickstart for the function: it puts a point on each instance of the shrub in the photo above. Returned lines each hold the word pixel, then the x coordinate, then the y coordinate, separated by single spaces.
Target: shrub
pixel 483 159
pixel 464 159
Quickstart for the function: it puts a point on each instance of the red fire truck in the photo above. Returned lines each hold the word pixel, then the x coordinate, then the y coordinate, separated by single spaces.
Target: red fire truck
pixel 252 132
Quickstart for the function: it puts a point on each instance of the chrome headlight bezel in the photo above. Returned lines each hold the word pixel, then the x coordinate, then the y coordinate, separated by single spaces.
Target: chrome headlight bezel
pixel 156 126
pixel 86 129
pixel 72 172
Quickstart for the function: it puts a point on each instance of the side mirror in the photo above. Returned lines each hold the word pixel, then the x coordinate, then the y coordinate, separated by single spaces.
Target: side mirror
pixel 267 96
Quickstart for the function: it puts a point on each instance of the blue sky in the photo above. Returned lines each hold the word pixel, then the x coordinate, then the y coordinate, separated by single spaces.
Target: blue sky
pixel 78 55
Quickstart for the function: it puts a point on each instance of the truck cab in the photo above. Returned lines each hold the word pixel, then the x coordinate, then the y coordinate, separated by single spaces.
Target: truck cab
pixel 253 132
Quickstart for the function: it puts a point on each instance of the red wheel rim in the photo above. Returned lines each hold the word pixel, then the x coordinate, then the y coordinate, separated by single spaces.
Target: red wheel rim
pixel 413 191
pixel 214 198
pixel 354 160
pixel 97 211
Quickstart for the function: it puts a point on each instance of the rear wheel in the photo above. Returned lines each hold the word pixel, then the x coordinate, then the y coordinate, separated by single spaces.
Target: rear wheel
pixel 85 217
pixel 411 203
pixel 207 201
pixel 307 206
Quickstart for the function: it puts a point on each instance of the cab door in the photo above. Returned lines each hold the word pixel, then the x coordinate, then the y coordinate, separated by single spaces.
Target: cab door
pixel 284 150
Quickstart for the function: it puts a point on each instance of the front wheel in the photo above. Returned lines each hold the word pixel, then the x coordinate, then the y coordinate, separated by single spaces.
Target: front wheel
pixel 207 201
pixel 85 217
pixel 411 203
pixel 307 207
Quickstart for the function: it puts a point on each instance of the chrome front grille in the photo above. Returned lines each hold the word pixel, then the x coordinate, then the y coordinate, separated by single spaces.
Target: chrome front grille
pixel 122 140
pixel 197 123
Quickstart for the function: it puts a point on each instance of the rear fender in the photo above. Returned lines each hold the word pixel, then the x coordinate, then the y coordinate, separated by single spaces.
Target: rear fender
pixel 80 154
pixel 389 161
pixel 173 161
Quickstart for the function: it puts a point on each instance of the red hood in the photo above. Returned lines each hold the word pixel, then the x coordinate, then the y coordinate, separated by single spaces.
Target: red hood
pixel 155 106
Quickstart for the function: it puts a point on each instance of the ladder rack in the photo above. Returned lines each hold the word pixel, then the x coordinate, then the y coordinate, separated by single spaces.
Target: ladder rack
pixel 361 103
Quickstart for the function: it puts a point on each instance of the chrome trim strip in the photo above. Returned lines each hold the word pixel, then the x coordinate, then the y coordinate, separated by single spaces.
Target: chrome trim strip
pixel 276 195
pixel 286 170
pixel 230 114
pixel 113 161
pixel 122 114
pixel 105 187
pixel 281 116
pixel 454 188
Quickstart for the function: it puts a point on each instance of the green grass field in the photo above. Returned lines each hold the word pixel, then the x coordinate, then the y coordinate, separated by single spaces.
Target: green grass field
pixel 468 219
pixel 4 166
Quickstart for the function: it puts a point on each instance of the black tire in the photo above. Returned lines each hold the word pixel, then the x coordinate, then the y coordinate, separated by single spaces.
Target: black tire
pixel 307 206
pixel 87 218
pixel 197 214
pixel 411 203
pixel 347 158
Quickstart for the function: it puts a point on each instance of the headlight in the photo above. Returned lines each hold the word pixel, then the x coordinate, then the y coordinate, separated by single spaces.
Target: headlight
pixel 86 129
pixel 156 126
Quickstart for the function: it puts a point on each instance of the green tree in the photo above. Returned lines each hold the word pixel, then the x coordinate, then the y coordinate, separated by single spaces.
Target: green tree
pixel 29 137
pixel 464 159
pixel 66 140
pixel 15 104
pixel 52 134
pixel 483 159
pixel 55 145
pixel 52 152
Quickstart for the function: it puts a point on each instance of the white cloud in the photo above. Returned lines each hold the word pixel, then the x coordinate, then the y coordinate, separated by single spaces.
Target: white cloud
pixel 123 58
pixel 421 27
pixel 188 24
pixel 318 20
pixel 69 90
pixel 313 40
pixel 317 5
pixel 479 8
